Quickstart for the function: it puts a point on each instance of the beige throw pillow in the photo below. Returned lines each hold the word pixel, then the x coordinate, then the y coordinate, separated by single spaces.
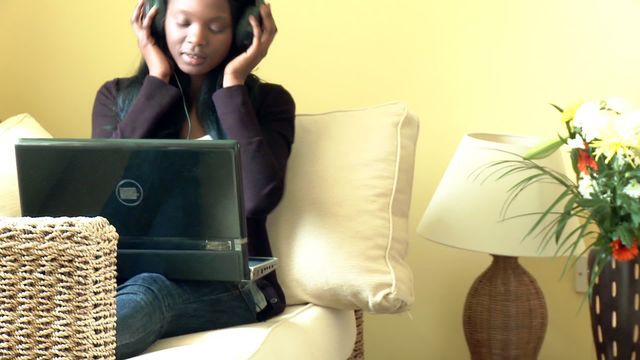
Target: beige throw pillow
pixel 19 126
pixel 341 230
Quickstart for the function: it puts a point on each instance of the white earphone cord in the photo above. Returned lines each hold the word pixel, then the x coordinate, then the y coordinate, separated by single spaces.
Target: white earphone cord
pixel 184 105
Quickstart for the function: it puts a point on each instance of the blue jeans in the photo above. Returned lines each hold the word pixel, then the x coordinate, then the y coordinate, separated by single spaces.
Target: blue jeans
pixel 150 307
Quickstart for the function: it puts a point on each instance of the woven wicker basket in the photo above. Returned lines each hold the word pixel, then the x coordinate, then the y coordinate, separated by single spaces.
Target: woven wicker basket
pixel 358 347
pixel 57 288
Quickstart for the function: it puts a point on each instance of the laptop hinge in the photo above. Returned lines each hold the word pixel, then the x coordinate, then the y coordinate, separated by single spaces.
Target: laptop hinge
pixel 239 243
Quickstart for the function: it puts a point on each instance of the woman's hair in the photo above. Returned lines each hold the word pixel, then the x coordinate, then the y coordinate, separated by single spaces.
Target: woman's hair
pixel 213 81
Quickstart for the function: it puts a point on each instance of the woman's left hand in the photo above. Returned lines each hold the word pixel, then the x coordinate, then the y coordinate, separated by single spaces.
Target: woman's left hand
pixel 237 70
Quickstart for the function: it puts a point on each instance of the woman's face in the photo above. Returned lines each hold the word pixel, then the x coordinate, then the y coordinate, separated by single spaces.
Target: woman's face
pixel 199 34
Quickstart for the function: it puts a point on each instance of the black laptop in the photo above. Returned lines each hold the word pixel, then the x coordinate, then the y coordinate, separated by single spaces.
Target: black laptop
pixel 176 204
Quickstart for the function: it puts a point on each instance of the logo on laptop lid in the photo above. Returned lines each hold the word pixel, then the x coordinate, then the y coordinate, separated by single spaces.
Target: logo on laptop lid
pixel 129 192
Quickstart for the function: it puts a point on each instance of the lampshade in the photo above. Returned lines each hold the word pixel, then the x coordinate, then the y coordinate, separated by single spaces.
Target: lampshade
pixel 466 210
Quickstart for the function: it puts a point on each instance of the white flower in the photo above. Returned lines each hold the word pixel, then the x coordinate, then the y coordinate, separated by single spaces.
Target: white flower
pixel 592 121
pixel 618 105
pixel 632 189
pixel 628 128
pixel 577 143
pixel 620 137
pixel 586 186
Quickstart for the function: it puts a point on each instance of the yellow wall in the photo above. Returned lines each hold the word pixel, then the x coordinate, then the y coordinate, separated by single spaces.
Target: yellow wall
pixel 462 66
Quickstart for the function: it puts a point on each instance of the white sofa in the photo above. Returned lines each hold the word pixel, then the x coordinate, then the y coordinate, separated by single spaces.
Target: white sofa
pixel 341 233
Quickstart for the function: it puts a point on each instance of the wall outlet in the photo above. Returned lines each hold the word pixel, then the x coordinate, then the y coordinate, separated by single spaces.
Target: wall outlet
pixel 582 274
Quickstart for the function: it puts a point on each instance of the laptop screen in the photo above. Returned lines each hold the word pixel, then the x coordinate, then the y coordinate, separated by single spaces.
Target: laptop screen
pixel 156 193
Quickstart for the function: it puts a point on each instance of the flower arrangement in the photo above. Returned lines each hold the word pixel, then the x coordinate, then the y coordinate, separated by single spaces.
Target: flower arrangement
pixel 604 141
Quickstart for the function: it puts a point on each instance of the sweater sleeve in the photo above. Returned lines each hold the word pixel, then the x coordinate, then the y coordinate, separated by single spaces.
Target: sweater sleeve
pixel 265 136
pixel 147 113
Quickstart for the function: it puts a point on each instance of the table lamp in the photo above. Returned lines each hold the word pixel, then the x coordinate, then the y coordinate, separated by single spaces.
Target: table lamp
pixel 505 315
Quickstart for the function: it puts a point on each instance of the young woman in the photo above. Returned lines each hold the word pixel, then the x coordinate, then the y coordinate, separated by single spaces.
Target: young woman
pixel 195 82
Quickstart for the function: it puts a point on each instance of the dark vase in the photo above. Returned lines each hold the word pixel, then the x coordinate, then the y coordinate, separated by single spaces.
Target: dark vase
pixel 615 309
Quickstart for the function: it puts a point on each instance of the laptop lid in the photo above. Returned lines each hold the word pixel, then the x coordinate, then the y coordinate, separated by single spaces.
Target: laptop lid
pixel 176 204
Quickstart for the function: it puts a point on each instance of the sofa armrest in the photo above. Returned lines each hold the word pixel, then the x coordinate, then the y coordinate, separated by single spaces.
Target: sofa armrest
pixel 57 288
pixel 12 129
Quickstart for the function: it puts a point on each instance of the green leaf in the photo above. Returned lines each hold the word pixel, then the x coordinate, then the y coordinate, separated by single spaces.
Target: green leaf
pixel 543 149
pixel 599 263
pixel 557 108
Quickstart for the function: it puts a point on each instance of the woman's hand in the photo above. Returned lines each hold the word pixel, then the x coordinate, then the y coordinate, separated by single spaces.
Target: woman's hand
pixel 155 59
pixel 237 70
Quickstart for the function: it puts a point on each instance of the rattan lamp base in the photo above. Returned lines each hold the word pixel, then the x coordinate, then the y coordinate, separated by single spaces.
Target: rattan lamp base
pixel 505 315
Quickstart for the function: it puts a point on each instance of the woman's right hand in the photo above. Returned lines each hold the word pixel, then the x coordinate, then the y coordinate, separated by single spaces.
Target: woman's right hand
pixel 155 59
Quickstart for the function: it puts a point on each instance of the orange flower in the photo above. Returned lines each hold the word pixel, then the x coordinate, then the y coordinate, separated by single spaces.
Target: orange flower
pixel 585 161
pixel 623 253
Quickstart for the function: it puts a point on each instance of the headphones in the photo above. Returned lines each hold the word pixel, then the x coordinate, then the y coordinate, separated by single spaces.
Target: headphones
pixel 244 32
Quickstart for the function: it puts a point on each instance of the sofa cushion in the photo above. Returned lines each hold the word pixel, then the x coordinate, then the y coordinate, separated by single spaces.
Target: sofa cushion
pixel 19 126
pixel 319 333
pixel 341 229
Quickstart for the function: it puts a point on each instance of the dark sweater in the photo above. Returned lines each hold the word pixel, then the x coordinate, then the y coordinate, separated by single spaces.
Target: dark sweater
pixel 265 134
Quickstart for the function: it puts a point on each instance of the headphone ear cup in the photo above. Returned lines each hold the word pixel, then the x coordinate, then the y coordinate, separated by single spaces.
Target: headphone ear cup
pixel 157 28
pixel 244 31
